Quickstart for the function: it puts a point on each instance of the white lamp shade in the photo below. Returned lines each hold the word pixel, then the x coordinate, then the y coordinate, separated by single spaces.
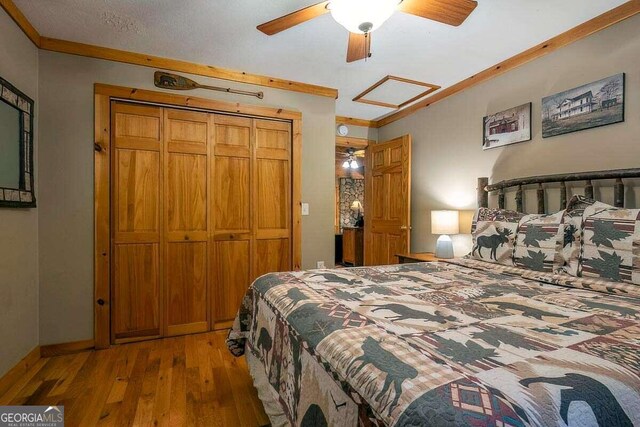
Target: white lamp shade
pixel 351 14
pixel 356 205
pixel 445 222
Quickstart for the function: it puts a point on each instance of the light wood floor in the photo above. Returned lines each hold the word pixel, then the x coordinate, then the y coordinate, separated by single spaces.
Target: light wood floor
pixel 183 381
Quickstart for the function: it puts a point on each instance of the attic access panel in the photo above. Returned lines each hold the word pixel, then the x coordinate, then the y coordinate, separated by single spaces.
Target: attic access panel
pixel 395 92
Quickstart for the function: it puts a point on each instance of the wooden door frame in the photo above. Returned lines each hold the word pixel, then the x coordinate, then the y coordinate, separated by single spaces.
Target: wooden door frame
pixel 103 95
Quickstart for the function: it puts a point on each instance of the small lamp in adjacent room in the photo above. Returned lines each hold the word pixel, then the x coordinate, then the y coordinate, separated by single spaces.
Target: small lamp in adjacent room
pixel 445 223
pixel 356 206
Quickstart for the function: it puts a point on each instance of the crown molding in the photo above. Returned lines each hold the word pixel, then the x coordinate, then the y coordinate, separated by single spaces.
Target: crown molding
pixel 355 122
pixel 99 52
pixel 586 29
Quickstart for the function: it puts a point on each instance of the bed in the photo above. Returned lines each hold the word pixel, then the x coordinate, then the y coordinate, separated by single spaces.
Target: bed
pixel 489 339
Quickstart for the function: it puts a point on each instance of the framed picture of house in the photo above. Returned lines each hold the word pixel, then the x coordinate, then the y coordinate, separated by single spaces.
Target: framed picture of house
pixel 507 127
pixel 592 105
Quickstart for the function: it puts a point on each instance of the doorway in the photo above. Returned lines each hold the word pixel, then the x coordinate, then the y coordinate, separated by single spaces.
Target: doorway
pixel 350 202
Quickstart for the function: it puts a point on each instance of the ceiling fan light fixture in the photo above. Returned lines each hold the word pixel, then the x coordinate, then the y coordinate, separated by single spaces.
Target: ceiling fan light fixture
pixel 346 164
pixel 362 16
pixel 354 164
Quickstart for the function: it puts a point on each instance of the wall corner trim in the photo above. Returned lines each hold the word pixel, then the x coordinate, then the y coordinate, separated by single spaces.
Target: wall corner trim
pixel 21 21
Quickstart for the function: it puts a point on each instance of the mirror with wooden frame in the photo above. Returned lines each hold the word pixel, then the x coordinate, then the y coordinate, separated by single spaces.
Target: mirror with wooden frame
pixel 16 148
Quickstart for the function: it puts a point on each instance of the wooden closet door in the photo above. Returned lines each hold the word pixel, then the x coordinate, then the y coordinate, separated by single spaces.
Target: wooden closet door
pixel 136 222
pixel 272 197
pixel 186 221
pixel 231 215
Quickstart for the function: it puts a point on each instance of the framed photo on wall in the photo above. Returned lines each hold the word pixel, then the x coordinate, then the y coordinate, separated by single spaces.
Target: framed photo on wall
pixel 507 127
pixel 588 106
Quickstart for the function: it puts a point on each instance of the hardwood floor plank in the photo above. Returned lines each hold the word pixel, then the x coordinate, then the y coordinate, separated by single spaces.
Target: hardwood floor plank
pixel 132 393
pixel 146 401
pixel 178 410
pixel 70 373
pixel 13 391
pixel 161 409
pixel 181 381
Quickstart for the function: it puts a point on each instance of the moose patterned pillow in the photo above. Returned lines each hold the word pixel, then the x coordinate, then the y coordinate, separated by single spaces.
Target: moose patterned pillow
pixel 610 243
pixel 538 244
pixel 493 234
pixel 572 225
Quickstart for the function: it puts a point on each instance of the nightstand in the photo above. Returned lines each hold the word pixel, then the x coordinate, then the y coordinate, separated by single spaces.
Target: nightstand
pixel 417 257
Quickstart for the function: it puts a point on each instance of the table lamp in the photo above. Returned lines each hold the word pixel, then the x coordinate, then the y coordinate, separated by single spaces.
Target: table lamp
pixel 356 206
pixel 444 223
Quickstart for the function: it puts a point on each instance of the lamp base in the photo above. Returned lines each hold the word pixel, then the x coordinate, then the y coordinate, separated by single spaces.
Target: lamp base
pixel 444 247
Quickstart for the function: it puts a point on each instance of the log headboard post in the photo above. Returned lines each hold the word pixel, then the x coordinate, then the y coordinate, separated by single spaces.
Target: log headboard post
pixel 482 193
pixel 484 188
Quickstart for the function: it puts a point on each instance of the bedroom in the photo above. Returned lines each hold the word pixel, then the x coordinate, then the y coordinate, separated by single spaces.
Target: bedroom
pixel 73 58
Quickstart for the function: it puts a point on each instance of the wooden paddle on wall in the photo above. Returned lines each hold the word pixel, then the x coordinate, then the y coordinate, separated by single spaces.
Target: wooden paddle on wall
pixel 176 82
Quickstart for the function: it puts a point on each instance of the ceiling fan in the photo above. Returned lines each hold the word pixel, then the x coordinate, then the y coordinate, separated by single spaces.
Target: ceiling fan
pixel 351 155
pixel 361 17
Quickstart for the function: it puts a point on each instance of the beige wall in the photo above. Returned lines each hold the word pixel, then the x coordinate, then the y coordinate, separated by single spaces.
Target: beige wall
pixel 447 137
pixel 66 179
pixel 18 227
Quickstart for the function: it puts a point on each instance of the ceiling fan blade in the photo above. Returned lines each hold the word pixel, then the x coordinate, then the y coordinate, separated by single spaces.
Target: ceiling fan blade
pixel 291 20
pixel 451 12
pixel 359 47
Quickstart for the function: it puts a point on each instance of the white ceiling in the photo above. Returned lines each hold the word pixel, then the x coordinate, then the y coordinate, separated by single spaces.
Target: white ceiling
pixel 223 33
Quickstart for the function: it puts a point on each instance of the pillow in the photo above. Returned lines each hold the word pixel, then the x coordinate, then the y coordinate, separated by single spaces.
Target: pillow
pixel 609 236
pixel 493 232
pixel 538 243
pixel 572 228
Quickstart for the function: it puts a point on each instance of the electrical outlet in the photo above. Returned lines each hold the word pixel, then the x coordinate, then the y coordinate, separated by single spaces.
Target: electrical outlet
pixel 305 209
pixel 320 264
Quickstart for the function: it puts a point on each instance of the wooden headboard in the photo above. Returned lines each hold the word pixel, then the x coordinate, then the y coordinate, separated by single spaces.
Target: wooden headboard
pixel 484 188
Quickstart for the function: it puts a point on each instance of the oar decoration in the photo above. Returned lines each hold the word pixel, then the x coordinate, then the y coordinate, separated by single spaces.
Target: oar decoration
pixel 176 82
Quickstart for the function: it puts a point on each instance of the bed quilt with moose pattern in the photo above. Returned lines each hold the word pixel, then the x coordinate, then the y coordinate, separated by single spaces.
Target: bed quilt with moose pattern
pixel 445 344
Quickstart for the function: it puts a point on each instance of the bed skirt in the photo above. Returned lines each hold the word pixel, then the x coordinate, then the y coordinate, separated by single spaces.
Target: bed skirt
pixel 267 395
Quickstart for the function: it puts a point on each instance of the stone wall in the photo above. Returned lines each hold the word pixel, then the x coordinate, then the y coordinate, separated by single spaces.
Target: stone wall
pixel 350 190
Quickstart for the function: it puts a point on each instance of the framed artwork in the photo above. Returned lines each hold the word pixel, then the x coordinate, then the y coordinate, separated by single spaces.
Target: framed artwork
pixel 507 127
pixel 588 106
pixel 16 148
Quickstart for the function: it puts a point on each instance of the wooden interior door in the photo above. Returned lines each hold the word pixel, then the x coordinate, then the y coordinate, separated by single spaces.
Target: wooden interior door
pixel 387 200
pixel 271 193
pixel 232 235
pixel 186 221
pixel 136 222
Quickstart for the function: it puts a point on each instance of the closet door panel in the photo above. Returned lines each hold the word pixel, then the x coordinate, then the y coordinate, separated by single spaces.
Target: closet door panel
pixel 136 273
pixel 272 197
pixel 186 132
pixel 272 255
pixel 232 136
pixel 186 222
pixel 231 194
pixel 186 282
pixel 136 193
pixel 137 126
pixel 231 216
pixel 273 139
pixel 136 292
pixel 232 278
pixel 186 196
